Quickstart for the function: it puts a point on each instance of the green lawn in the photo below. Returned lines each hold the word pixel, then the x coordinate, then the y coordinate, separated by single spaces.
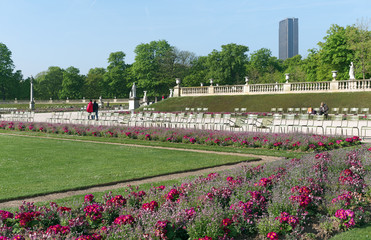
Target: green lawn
pixel 32 166
pixel 255 151
pixel 361 233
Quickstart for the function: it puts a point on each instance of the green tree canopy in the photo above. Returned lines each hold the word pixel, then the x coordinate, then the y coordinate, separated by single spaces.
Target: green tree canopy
pixel 72 84
pixel 154 67
pixel 9 80
pixel 48 84
pixel 229 65
pixel 94 83
pixel 115 78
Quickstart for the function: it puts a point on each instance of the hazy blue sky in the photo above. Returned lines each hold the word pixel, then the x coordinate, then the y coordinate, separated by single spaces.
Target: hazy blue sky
pixel 82 33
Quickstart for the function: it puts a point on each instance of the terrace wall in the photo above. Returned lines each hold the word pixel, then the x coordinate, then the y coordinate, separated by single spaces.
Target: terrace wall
pixel 277 88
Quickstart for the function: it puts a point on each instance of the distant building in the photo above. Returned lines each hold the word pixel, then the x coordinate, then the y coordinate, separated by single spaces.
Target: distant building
pixel 288 38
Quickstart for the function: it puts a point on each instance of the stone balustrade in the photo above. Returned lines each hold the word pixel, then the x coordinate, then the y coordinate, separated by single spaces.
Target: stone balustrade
pixel 277 88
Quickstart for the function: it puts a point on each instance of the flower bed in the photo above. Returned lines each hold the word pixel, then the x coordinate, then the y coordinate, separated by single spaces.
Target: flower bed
pixel 291 141
pixel 316 196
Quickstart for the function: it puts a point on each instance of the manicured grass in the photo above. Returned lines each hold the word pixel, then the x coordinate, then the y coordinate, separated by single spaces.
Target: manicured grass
pixel 255 151
pixel 264 103
pixel 32 166
pixel 361 233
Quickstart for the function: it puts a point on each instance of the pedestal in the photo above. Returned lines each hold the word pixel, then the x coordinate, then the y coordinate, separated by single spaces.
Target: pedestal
pixel 133 103
pixel 32 105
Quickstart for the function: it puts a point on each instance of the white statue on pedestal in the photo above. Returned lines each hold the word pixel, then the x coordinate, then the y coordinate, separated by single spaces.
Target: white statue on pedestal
pixel 145 96
pixel 171 93
pixel 351 72
pixel 133 92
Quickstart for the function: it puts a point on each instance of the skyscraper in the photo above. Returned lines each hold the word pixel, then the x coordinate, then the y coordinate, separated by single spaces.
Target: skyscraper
pixel 288 38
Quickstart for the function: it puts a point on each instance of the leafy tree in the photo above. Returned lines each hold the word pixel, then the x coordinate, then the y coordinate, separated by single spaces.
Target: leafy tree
pixel 48 84
pixel 72 84
pixel 183 63
pixel 154 67
pixel 94 83
pixel 359 41
pixel 115 79
pixel 9 81
pixel 197 73
pixel 263 67
pixel 335 52
pixel 293 66
pixel 229 65
pixel 24 89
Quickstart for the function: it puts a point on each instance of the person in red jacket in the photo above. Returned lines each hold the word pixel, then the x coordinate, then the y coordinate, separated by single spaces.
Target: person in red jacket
pixel 89 109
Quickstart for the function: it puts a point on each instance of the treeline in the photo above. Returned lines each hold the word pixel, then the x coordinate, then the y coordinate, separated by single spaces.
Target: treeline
pixel 157 64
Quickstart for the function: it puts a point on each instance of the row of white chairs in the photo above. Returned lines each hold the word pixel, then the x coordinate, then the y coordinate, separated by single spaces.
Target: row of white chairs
pixel 338 124
pixel 18 116
pixel 335 111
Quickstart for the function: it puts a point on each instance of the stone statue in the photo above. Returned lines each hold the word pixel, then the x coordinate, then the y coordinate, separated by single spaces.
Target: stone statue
pixel 145 96
pixel 351 71
pixel 171 93
pixel 133 92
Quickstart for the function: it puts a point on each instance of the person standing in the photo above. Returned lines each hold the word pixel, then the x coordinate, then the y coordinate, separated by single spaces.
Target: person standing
pixel 95 110
pixel 89 109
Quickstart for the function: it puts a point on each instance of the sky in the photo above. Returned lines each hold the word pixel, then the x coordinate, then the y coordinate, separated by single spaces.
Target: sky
pixel 82 33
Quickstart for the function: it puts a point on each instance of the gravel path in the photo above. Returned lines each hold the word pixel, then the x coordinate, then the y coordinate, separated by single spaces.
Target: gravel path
pixel 50 197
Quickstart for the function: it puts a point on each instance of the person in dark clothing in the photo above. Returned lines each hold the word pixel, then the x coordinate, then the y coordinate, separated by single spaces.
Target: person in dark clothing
pixel 323 109
pixel 95 109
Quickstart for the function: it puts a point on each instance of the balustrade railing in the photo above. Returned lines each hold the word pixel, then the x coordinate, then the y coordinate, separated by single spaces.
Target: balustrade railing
pixel 269 88
pixel 355 85
pixel 309 86
pixel 195 90
pixel 229 89
pixel 266 88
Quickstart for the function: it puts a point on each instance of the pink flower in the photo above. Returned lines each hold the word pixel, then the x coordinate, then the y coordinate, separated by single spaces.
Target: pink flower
pixel 272 235
pixel 124 220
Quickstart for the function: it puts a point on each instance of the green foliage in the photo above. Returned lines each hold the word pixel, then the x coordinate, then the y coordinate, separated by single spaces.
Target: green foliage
pixel 48 84
pixel 228 65
pixel 9 81
pixel 72 84
pixel 153 67
pixel 115 79
pixel 335 51
pixel 263 67
pixel 94 83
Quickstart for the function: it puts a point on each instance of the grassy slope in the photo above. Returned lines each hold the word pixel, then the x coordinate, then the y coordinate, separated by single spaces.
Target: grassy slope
pixel 31 166
pixel 264 103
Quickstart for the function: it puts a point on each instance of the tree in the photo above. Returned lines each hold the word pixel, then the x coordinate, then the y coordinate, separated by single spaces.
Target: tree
pixel 48 84
pixel 335 52
pixel 229 65
pixel 263 67
pixel 72 84
pixel 94 83
pixel 197 73
pixel 359 41
pixel 154 67
pixel 8 80
pixel 183 63
pixel 115 78
pixel 293 66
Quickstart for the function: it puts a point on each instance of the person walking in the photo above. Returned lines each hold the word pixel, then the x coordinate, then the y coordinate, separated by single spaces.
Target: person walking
pixel 95 110
pixel 89 109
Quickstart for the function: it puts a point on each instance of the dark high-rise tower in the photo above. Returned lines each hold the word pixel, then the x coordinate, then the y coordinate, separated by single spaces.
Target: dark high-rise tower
pixel 288 38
